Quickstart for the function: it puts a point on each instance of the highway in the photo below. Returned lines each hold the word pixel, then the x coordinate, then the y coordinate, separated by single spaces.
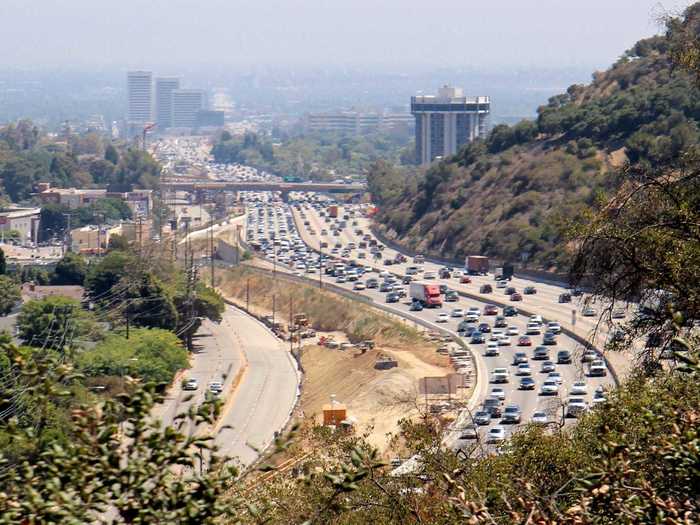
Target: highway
pixel 272 220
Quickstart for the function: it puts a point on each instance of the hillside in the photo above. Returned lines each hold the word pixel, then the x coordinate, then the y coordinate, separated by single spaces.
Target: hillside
pixel 512 195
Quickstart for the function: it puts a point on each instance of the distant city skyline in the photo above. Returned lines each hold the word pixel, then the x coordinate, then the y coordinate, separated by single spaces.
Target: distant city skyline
pixel 132 34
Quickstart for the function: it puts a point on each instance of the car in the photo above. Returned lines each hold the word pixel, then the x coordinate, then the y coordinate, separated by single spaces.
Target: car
pixel 519 357
pixel 524 340
pixel 412 270
pixel 501 284
pixel 563 357
pixel 215 387
pixel 529 290
pixel 495 435
pixel 393 297
pixel 416 306
pixel 492 405
pixel 472 318
pixel 498 393
pixel 510 311
pixel 444 289
pixel 500 375
pixel 539 418
pixel 442 318
pixel 469 432
pixel 564 297
pixel 598 396
pixel 527 383
pixel 504 340
pixel 359 286
pixel 500 322
pixel 477 338
pixel 512 330
pixel 457 312
pixel 541 353
pixel 482 418
pixel 533 329
pixel 190 384
pixel 490 309
pixel 550 387
pixel 486 288
pixel 511 414
pixel 589 311
pixel 575 406
pixel 554 327
pixel 484 328
pixel 577 292
pixel 618 313
pixel 492 349
pixel 597 368
pixel 550 338
pixel 547 367
pixel 523 370
pixel 474 310
pixel 556 376
pixel 451 296
pixel 341 279
pixel 429 275
pixel 516 297
pixel 406 279
pixel 465 279
pixel 579 388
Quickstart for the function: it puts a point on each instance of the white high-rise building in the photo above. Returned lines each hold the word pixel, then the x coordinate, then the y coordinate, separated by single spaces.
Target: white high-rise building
pixel 139 89
pixel 444 123
pixel 164 101
pixel 186 105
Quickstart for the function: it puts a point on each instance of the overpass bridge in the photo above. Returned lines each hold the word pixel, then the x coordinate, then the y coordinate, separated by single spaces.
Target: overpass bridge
pixel 202 185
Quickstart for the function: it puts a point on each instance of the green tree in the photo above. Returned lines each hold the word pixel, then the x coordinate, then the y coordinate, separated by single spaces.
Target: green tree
pixel 103 276
pixel 118 243
pixel 10 294
pixel 55 322
pixel 147 303
pixel 71 269
pixel 152 355
pixel 18 177
pixel 53 222
pixel 3 263
pixel 136 169
pixel 111 154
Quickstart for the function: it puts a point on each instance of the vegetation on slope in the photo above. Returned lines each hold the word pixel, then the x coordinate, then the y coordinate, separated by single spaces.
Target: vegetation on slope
pixel 510 195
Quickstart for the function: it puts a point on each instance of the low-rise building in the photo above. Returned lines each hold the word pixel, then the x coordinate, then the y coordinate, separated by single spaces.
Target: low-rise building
pixel 140 201
pixel 91 238
pixel 22 220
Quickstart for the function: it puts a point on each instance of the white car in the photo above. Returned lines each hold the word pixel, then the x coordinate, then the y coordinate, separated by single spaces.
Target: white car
pixel 575 406
pixel 501 284
pixel 549 388
pixel 496 435
pixel 533 329
pixel 359 286
pixel 536 319
pixel 457 312
pixel 540 418
pixel 190 384
pixel 498 393
pixel 475 310
pixel 492 349
pixel 216 387
pixel 589 311
pixel 524 370
pixel 442 318
pixel 429 275
pixel 554 327
pixel 504 340
pixel 579 388
pixel 500 375
pixel 556 376
pixel 512 330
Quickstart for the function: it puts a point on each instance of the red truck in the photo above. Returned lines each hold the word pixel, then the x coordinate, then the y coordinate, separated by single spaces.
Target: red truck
pixel 428 295
pixel 477 264
pixel 333 211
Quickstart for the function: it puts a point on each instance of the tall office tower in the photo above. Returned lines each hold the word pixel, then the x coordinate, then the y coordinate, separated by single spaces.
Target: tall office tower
pixel 164 101
pixel 186 104
pixel 139 95
pixel 447 121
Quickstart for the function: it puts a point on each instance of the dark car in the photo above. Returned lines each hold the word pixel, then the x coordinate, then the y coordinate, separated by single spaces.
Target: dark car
pixel 477 338
pixel 416 306
pixel 486 288
pixel 577 292
pixel 451 296
pixel 490 309
pixel 386 287
pixel 493 407
pixel 510 290
pixel 510 311
pixel 550 338
pixel 516 297
pixel 530 290
pixel 388 262
pixel 565 297
pixel 406 279
pixel 511 414
pixel 519 357
pixel 372 283
pixel 482 418
pixel 541 353
pixel 443 289
pixel 484 328
pixel 392 297
pixel 445 273
pixel 563 357
pixel 500 322
pixel 527 383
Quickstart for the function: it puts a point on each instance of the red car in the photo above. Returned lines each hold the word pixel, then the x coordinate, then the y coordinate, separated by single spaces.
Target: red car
pixel 465 279
pixel 524 341
pixel 516 297
pixel 490 309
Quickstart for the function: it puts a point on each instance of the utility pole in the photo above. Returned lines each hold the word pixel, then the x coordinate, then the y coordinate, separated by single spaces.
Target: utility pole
pixel 211 251
pixel 320 269
pixel 247 295
pixel 140 234
pixel 274 304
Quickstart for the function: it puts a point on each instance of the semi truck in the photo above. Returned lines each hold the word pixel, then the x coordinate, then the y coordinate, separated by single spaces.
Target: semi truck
pixel 428 295
pixel 333 211
pixel 477 264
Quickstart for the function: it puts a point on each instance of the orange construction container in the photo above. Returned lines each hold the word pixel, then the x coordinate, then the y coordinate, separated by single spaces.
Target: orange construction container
pixel 334 413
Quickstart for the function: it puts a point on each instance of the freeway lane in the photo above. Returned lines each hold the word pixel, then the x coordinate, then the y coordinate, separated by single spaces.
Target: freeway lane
pixel 273 218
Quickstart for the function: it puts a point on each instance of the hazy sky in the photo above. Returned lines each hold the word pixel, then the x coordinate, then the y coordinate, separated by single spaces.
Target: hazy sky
pixel 390 33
